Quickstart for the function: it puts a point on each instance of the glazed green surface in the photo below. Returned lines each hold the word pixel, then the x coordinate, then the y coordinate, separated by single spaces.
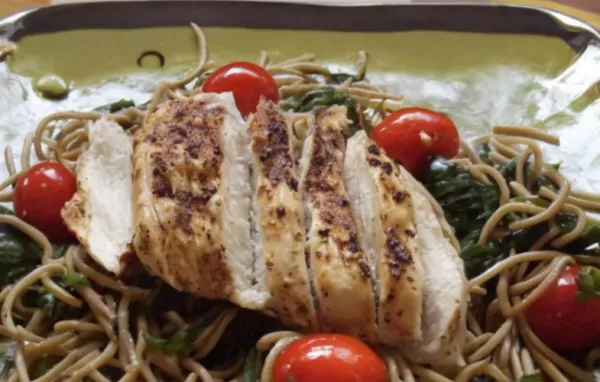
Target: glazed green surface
pixel 480 80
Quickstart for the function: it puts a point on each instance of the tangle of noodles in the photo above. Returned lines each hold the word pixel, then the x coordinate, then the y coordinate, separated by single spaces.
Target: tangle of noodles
pixel 110 329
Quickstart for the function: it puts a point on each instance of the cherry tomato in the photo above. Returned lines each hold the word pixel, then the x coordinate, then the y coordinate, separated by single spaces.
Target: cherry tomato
pixel 561 320
pixel 40 194
pixel 331 358
pixel 247 81
pixel 413 135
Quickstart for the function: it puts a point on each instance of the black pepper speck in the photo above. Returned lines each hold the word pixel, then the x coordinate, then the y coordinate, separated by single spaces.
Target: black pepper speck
pixel 280 212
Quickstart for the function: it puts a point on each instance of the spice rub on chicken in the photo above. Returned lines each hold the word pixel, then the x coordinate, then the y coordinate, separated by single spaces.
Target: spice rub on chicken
pixel 341 273
pixel 383 201
pixel 192 199
pixel 277 212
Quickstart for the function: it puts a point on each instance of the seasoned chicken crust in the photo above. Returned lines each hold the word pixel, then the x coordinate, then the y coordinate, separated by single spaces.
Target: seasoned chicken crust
pixel 383 201
pixel 280 262
pixel 342 277
pixel 192 199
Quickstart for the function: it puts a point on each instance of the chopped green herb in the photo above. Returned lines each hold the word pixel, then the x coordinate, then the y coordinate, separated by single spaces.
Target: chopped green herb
pixel 180 341
pixel 72 280
pixel 537 377
pixel 588 281
pixel 250 371
pixel 120 105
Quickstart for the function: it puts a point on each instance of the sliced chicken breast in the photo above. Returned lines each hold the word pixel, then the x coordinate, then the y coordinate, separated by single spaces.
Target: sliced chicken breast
pixel 341 273
pixel 193 199
pixel 99 214
pixel 279 264
pixel 383 201
pixel 444 292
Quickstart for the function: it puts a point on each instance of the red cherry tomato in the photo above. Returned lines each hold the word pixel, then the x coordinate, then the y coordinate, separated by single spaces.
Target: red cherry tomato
pixel 40 194
pixel 247 81
pixel 413 135
pixel 562 321
pixel 331 358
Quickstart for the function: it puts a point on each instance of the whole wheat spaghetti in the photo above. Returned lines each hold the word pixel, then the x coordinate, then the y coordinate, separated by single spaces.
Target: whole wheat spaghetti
pixel 111 326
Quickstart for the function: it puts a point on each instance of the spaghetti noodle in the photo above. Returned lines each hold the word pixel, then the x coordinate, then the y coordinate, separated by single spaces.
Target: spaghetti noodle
pixel 109 331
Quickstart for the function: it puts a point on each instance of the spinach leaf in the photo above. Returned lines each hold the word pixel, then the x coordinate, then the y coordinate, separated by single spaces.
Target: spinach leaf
pixel 479 258
pixel 58 251
pixel 19 255
pixel 53 307
pixel 250 372
pixel 176 344
pixel 537 377
pixel 72 280
pixel 180 341
pixel 117 106
pixel 38 296
pixel 587 243
pixel 467 202
pixel 509 172
pixel 339 78
pixel 120 105
pixel 324 97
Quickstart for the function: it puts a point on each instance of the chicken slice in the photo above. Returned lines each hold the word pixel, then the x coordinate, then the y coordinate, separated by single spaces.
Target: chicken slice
pixel 383 203
pixel 280 264
pixel 342 278
pixel 444 292
pixel 193 199
pixel 99 214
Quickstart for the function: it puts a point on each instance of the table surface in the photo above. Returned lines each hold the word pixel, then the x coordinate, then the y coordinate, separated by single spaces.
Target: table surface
pixel 587 10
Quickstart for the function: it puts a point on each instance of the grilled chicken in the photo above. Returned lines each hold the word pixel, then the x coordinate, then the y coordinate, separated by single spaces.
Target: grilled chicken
pixel 192 199
pixel 343 242
pixel 99 214
pixel 444 291
pixel 277 213
pixel 383 203
pixel 342 277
